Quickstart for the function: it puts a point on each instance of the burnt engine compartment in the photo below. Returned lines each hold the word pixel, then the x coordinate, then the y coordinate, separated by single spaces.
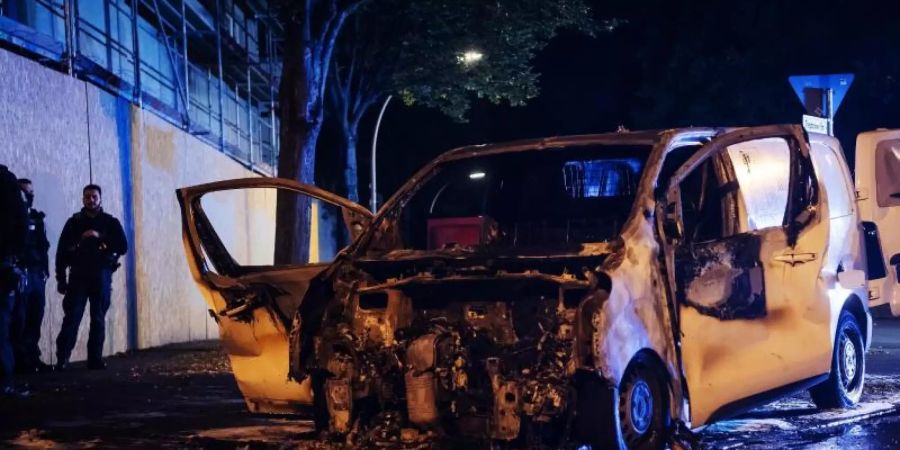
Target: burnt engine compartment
pixel 466 355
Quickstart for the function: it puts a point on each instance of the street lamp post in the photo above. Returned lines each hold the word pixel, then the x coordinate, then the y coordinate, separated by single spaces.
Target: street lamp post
pixel 467 58
pixel 373 202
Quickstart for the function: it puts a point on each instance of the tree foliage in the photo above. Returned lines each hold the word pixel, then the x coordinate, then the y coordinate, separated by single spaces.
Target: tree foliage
pixel 417 49
pixel 431 70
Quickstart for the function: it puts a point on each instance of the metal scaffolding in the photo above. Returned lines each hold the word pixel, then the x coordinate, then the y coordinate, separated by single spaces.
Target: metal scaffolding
pixel 210 67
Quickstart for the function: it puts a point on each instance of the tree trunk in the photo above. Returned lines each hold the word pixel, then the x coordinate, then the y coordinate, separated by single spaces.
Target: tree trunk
pixel 292 214
pixel 351 174
pixel 300 111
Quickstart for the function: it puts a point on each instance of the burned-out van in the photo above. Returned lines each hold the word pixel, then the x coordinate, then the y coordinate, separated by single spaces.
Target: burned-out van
pixel 604 289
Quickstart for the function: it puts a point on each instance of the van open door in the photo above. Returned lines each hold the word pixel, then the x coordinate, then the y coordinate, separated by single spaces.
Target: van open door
pixel 745 235
pixel 228 229
pixel 878 196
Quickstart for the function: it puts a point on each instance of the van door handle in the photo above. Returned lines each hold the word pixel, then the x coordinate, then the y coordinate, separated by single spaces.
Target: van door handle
pixel 795 258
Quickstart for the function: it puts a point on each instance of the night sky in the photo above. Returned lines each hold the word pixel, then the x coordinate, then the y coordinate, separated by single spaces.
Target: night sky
pixel 673 63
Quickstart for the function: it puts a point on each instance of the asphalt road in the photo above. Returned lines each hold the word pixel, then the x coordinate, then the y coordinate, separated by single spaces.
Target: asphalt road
pixel 183 396
pixel 794 423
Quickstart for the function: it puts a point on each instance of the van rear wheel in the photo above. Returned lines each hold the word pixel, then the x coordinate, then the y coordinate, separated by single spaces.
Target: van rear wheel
pixel 844 385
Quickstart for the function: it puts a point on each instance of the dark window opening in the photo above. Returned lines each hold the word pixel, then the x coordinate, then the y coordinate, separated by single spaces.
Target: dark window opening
pixel 601 178
pixel 701 204
pixel 543 199
pixel 673 161
pixel 887 173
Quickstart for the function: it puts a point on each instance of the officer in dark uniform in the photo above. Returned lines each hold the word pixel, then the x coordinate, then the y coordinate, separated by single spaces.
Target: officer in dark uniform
pixel 12 239
pixel 90 245
pixel 29 310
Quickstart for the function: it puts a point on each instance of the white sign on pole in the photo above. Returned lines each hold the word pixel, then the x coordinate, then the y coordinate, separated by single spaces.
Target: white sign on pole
pixel 815 124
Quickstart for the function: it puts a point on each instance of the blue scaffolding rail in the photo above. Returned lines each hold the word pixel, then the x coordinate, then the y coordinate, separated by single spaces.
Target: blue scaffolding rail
pixel 210 67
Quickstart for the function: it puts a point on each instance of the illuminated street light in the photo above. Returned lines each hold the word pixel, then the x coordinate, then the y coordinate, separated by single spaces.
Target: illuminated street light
pixel 470 57
pixel 467 58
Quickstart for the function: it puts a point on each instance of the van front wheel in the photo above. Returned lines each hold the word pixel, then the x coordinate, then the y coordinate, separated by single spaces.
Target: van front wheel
pixel 844 385
pixel 643 408
pixel 633 415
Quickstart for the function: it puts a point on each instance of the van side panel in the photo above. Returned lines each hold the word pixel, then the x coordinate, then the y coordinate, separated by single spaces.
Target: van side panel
pixel 845 251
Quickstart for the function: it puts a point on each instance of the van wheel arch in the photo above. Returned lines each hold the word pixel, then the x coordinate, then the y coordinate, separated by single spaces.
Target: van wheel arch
pixel 598 418
pixel 854 305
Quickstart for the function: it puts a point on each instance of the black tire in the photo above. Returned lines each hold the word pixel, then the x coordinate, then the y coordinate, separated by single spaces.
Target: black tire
pixel 634 416
pixel 844 385
pixel 320 407
pixel 643 407
pixel 595 407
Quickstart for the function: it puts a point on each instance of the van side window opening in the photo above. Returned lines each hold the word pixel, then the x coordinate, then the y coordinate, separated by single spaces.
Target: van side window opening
pixel 674 159
pixel 762 168
pixel 701 204
pixel 247 232
pixel 601 178
pixel 887 173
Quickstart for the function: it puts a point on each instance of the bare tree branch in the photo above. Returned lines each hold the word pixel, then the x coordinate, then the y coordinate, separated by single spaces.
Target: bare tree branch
pixel 337 93
pixel 307 20
pixel 337 17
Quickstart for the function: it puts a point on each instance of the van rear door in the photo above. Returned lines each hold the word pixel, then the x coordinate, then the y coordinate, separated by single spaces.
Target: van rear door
pixel 878 196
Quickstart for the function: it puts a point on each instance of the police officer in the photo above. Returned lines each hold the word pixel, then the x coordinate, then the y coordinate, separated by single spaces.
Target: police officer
pixel 89 246
pixel 29 310
pixel 12 238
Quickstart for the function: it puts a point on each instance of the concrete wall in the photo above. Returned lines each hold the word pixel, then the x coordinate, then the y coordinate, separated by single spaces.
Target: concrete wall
pixel 48 121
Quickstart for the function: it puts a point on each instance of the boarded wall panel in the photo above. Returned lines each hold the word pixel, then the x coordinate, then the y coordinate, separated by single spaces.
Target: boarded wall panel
pixel 140 160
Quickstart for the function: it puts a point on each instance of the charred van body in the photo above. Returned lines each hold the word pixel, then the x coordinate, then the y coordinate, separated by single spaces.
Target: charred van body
pixel 607 289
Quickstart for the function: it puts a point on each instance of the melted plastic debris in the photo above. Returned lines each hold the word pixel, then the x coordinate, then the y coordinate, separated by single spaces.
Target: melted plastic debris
pixel 32 439
pixel 750 425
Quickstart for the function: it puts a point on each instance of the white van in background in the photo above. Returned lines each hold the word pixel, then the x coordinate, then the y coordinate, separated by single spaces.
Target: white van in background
pixel 878 196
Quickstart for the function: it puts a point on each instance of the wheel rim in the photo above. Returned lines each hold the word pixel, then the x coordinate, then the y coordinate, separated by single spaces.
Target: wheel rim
pixel 849 362
pixel 641 407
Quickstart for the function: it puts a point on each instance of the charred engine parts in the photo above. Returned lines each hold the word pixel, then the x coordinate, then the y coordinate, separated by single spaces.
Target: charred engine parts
pixel 340 403
pixel 506 423
pixel 465 368
pixel 338 389
pixel 421 401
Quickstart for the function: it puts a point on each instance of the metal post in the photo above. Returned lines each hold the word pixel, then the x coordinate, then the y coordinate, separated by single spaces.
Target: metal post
pixel 208 100
pixel 249 115
pixel 75 28
pixel 107 33
pixel 70 40
pixel 172 61
pixel 221 83
pixel 136 53
pixel 829 104
pixel 373 202
pixel 187 65
pixel 270 45
pixel 249 100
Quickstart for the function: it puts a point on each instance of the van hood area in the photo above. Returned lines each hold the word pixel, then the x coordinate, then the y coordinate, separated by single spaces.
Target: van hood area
pixel 456 338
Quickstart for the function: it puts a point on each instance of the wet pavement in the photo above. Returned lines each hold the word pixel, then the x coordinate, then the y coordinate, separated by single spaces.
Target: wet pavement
pixel 183 396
